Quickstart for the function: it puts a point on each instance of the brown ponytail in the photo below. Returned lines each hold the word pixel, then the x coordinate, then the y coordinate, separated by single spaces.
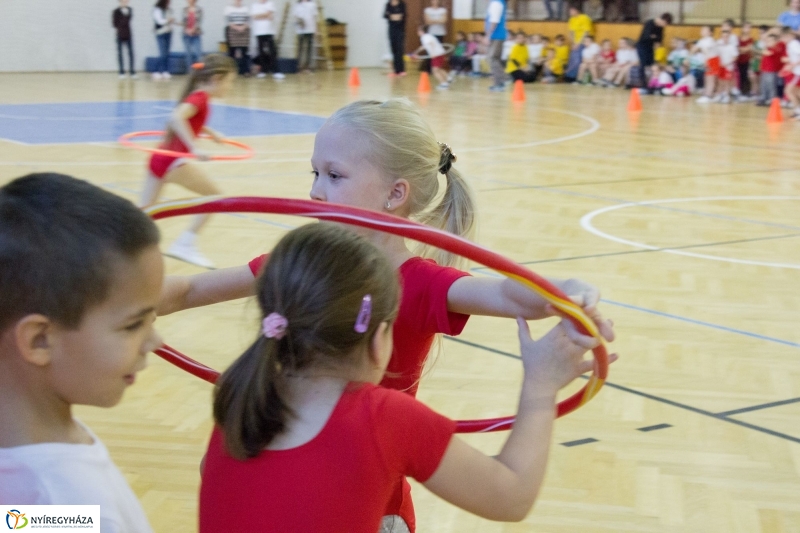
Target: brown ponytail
pixel 316 278
pixel 202 72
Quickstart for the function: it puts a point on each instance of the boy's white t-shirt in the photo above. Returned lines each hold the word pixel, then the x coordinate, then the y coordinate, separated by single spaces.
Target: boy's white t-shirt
pixel 590 52
pixel 535 52
pixel 709 47
pixel 307 12
pixel 728 52
pixel 432 45
pixel 438 14
pixel 263 26
pixel 71 474
pixel 793 51
pixel 627 56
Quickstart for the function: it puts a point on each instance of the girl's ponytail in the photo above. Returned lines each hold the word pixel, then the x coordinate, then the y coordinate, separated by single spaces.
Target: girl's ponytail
pixel 248 402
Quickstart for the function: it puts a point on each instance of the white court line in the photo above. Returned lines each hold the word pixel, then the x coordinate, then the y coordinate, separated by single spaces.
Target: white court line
pixel 586 223
pixel 595 125
pixel 127 117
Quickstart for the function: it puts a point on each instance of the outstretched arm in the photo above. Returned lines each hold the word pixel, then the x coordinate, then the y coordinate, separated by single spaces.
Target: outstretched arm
pixel 508 298
pixel 186 292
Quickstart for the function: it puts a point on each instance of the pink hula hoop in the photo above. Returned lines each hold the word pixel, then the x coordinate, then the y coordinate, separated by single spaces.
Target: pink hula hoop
pixel 412 230
pixel 125 140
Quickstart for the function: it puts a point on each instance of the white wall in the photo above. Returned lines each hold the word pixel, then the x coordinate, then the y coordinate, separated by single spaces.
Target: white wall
pixel 76 35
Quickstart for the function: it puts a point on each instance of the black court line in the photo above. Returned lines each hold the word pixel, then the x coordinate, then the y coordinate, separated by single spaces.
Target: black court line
pixel 758 407
pixel 659 399
pixel 632 252
pixel 572 443
pixel 654 428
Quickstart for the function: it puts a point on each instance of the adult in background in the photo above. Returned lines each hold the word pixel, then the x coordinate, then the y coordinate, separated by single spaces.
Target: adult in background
pixel 305 15
pixel 162 18
pixel 436 19
pixel 395 14
pixel 495 37
pixel 791 18
pixel 121 20
pixel 237 33
pixel 263 15
pixel 652 32
pixel 192 21
pixel 556 14
pixel 580 25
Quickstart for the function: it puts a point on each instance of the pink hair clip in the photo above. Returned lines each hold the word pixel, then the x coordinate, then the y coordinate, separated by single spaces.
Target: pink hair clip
pixel 364 315
pixel 274 326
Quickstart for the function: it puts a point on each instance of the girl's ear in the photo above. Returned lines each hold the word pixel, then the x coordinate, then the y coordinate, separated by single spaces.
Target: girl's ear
pixel 380 346
pixel 32 337
pixel 400 193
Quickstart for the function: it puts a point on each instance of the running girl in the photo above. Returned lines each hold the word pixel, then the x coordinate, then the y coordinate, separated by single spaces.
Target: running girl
pixel 210 79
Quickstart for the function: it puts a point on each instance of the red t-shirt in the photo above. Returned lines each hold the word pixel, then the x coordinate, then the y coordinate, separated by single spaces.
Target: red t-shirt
pixel 609 56
pixel 423 314
pixel 199 99
pixel 339 481
pixel 744 58
pixel 774 62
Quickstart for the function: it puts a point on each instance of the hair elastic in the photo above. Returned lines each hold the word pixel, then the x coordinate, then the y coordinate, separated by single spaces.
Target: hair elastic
pixel 364 315
pixel 198 66
pixel 274 326
pixel 446 159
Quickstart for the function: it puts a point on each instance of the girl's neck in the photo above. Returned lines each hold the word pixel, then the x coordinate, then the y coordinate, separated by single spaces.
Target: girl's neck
pixel 393 246
pixel 29 416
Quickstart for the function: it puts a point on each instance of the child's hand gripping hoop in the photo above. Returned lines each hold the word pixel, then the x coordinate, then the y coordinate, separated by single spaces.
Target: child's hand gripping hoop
pixel 411 230
pixel 126 140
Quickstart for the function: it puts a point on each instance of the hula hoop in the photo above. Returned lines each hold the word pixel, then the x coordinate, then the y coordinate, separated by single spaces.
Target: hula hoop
pixel 403 228
pixel 126 141
pixel 448 49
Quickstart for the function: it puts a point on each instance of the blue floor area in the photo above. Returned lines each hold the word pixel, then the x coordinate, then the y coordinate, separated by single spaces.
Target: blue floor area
pixel 85 122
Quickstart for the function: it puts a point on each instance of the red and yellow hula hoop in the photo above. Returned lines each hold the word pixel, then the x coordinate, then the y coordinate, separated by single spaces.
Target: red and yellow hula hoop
pixel 126 140
pixel 412 230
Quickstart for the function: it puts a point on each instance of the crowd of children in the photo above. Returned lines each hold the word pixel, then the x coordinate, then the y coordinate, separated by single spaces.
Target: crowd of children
pixel 725 65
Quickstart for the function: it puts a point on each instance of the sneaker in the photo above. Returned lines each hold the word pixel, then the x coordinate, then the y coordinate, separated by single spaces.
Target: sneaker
pixel 278 76
pixel 123 76
pixel 156 76
pixel 703 100
pixel 261 75
pixel 724 99
pixel 166 75
pixel 443 86
pixel 497 88
pixel 718 98
pixel 786 104
pixel 134 76
pixel 184 249
pixel 451 76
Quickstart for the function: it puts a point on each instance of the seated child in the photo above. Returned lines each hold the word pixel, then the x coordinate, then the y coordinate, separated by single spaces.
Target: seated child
pixel 518 66
pixel 685 86
pixel 508 44
pixel 607 58
pixel 459 61
pixel 590 61
pixel 556 63
pixel 436 52
pixel 677 57
pixel 479 63
pixel 81 279
pixel 696 65
pixel 659 79
pixel 306 441
pixel 619 73
pixel 536 52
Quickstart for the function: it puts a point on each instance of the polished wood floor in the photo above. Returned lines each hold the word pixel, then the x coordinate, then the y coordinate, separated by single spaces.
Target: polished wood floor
pixel 704 289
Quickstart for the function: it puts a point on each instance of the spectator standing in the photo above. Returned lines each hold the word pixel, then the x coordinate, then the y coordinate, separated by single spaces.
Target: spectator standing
pixel 237 24
pixel 395 14
pixel 556 14
pixel 791 18
pixel 436 19
pixel 121 20
pixel 305 15
pixel 580 25
pixel 163 21
pixel 744 60
pixel 652 32
pixel 263 16
pixel 495 37
pixel 192 21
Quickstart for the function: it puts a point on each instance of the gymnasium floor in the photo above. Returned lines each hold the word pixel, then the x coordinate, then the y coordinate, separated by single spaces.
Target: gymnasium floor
pixel 685 216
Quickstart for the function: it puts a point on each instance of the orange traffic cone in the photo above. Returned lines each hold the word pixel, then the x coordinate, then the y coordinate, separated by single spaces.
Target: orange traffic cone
pixel 519 92
pixel 635 103
pixel 355 79
pixel 424 83
pixel 775 115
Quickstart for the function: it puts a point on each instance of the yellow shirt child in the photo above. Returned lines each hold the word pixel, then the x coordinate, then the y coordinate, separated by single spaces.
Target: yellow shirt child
pixel 517 58
pixel 580 25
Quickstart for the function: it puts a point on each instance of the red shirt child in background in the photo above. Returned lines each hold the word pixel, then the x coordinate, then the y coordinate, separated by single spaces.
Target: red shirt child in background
pixel 772 59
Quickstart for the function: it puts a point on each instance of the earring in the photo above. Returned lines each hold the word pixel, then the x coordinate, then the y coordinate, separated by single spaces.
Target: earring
pixel 388 204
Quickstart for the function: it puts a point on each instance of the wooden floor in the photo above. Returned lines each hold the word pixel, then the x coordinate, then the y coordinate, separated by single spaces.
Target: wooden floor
pixel 703 289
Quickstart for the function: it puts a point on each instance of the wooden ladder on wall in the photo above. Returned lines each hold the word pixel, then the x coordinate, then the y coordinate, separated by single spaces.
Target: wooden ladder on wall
pixel 322 45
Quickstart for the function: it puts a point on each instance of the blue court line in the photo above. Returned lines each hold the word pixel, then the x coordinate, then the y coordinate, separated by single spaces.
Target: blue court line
pixel 718 416
pixel 702 323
